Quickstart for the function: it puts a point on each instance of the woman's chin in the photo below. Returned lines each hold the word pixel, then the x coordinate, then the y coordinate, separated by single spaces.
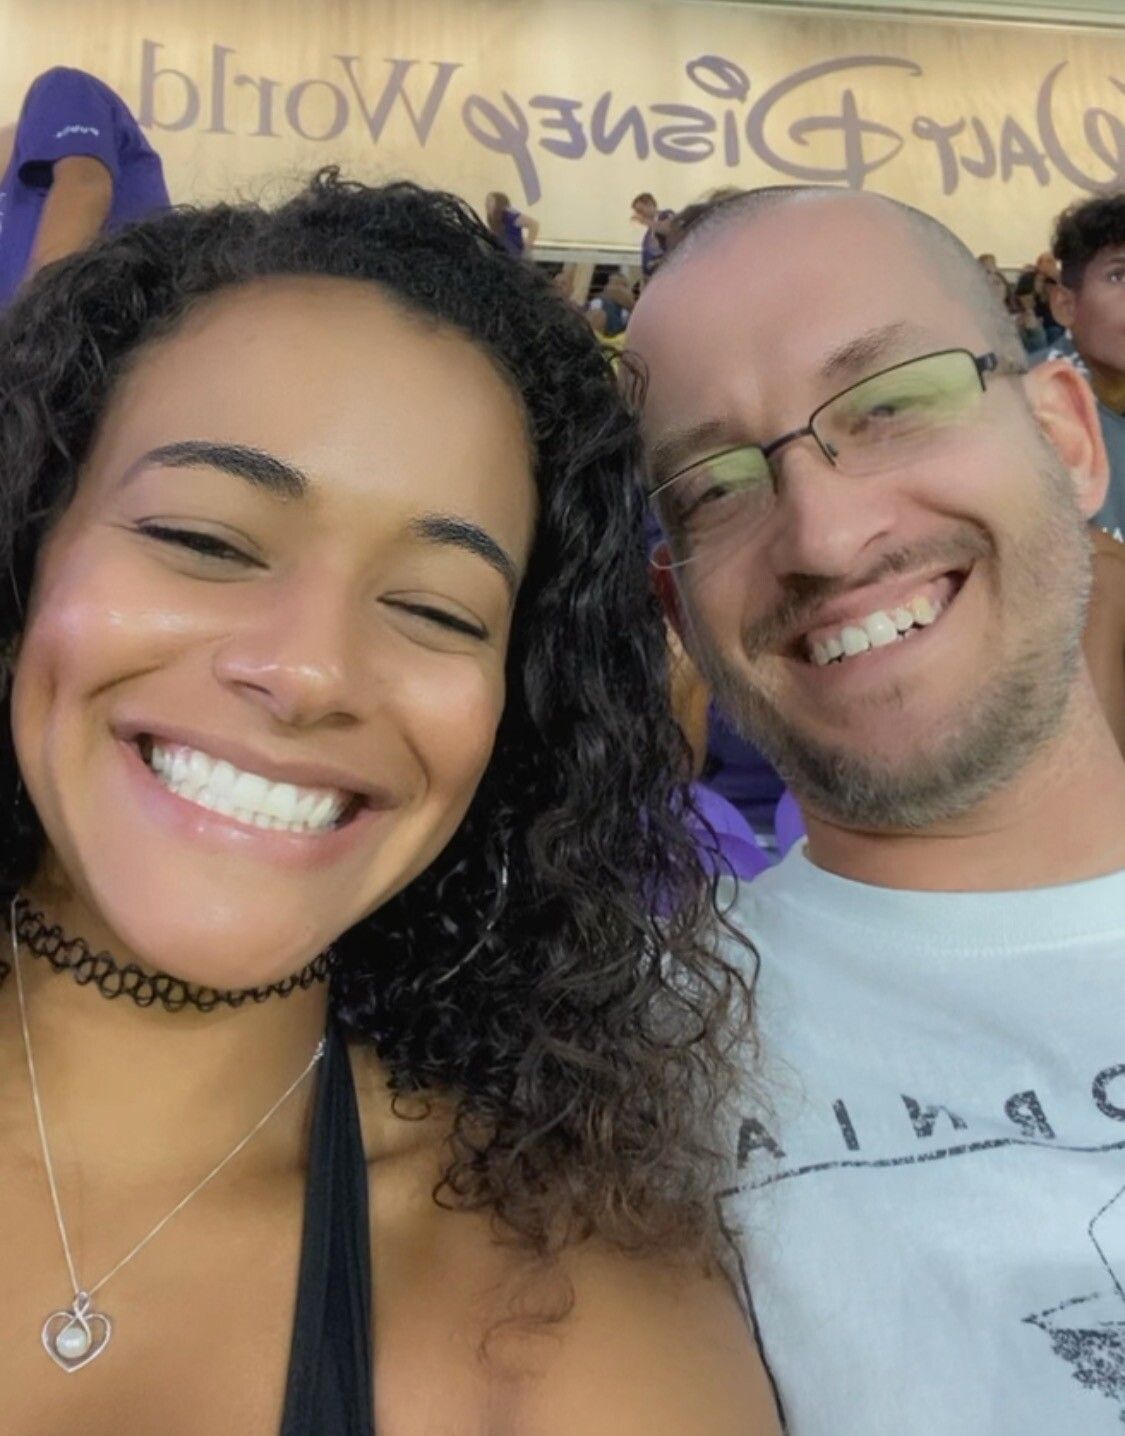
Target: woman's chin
pixel 222 946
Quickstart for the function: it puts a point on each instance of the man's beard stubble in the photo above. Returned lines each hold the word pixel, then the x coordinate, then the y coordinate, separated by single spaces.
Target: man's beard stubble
pixel 997 730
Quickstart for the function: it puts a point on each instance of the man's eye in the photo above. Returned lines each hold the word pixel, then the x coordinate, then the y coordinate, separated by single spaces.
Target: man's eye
pixel 208 545
pixel 889 409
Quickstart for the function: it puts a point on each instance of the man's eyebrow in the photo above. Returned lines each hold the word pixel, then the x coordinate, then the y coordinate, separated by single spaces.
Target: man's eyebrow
pixel 460 533
pixel 263 470
pixel 866 350
pixel 672 451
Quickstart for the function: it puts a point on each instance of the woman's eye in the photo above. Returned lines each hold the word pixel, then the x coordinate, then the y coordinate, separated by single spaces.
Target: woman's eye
pixel 441 617
pixel 205 544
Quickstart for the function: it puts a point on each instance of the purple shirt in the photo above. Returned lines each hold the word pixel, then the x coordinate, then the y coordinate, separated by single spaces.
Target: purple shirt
pixel 67 112
pixel 512 235
pixel 739 773
pixel 654 246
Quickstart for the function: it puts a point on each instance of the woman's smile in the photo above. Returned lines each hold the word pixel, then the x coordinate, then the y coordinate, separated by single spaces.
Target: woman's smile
pixel 206 800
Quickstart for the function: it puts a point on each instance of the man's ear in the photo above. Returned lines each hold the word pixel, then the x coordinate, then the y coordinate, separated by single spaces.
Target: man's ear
pixel 1067 414
pixel 1062 302
pixel 665 586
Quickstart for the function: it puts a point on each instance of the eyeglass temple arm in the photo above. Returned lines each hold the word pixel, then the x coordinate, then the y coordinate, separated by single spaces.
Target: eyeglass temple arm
pixel 991 363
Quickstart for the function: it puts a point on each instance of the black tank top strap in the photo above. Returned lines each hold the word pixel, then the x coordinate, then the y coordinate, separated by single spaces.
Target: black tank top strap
pixel 330 1390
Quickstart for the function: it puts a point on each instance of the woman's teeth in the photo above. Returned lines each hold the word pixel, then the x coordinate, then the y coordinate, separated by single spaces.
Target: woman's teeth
pixel 877 630
pixel 249 798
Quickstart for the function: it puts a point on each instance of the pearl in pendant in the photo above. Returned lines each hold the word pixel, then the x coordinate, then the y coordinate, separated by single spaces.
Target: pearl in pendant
pixel 72 1342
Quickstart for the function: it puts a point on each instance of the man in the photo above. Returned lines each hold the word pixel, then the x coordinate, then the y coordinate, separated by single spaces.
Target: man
pixel 877 552
pixel 657 224
pixel 1045 275
pixel 1089 301
pixel 608 314
pixel 78 164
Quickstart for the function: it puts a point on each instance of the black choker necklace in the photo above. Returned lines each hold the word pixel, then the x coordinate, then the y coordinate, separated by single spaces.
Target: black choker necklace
pixel 73 955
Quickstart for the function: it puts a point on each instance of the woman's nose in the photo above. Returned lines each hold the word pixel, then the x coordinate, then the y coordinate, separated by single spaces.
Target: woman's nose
pixel 299 661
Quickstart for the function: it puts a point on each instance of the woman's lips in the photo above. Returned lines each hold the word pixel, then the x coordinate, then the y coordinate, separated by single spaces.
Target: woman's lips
pixel 216 831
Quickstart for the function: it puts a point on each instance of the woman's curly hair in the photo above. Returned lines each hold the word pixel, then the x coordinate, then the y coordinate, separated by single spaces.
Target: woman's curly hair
pixel 550 975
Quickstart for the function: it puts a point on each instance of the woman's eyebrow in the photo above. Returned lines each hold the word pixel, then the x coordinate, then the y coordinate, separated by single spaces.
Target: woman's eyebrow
pixel 460 533
pixel 268 472
pixel 263 470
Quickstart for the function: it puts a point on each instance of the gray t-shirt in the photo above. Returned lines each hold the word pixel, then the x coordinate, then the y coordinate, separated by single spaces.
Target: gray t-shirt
pixel 930 1184
pixel 1111 515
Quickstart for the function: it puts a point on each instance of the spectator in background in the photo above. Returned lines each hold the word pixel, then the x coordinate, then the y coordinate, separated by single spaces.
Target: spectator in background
pixel 657 224
pixel 1089 300
pixel 1025 311
pixel 562 282
pixel 516 232
pixel 78 165
pixel 1045 275
pixel 609 312
pixel 1047 266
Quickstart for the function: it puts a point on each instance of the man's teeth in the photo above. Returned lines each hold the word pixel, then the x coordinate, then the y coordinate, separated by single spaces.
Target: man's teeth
pixel 248 798
pixel 875 631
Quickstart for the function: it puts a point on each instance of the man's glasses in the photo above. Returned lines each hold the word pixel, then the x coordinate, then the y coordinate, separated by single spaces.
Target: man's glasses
pixel 881 423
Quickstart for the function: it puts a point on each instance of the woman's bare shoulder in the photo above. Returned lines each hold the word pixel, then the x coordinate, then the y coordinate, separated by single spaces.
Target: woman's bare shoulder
pixel 648 1349
pixel 485 1337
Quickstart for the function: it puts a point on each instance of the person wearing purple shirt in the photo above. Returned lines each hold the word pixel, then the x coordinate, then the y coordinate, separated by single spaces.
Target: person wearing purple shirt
pixel 515 231
pixel 79 164
pixel 657 225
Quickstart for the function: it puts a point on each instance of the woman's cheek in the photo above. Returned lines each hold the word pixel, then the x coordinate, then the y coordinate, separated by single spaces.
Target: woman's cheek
pixel 455 717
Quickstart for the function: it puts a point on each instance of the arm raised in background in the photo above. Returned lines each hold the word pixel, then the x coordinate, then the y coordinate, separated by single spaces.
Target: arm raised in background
pixel 76 208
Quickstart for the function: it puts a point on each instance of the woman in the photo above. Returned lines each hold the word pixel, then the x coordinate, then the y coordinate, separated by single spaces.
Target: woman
pixel 515 231
pixel 332 656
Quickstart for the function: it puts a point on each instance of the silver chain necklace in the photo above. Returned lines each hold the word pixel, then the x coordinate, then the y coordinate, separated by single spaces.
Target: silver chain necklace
pixel 75 1335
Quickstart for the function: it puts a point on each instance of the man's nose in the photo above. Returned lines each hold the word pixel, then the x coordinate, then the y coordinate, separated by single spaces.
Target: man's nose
pixel 825 521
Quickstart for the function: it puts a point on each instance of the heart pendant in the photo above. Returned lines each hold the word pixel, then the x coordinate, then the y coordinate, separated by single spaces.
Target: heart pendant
pixel 74 1337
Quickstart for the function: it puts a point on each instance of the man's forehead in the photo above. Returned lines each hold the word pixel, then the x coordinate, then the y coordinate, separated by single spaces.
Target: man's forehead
pixel 1110 253
pixel 837 237
pixel 806 273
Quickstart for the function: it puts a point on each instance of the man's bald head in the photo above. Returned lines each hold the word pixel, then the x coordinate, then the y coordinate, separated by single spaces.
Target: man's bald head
pixel 953 264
